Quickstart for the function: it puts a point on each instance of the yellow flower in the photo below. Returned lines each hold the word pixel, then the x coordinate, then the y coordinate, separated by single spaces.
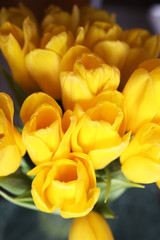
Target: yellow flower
pixel 11 146
pixel 56 16
pixel 142 98
pixel 45 132
pixel 90 14
pixel 100 130
pixel 141 159
pixel 43 64
pixel 91 227
pixel 69 183
pixel 104 39
pixel 143 46
pixel 16 41
pixel 84 75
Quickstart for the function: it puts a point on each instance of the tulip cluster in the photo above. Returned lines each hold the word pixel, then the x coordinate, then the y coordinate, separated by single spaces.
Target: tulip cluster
pixel 93 99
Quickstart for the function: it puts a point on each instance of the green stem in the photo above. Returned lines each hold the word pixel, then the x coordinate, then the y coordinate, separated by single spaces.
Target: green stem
pixel 19 203
pixel 108 184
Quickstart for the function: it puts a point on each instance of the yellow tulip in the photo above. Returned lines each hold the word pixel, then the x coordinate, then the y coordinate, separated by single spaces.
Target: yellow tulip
pixel 11 146
pixel 83 76
pixel 69 183
pixel 143 46
pixel 142 98
pixel 104 39
pixel 141 159
pixel 91 227
pixel 90 14
pixel 16 41
pixel 56 16
pixel 100 130
pixel 43 64
pixel 46 133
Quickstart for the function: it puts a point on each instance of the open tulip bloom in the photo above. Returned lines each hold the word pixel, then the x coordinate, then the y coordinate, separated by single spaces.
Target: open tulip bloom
pixel 88 111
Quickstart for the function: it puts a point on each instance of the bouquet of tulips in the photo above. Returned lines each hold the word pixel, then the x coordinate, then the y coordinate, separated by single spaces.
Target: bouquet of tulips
pixel 88 113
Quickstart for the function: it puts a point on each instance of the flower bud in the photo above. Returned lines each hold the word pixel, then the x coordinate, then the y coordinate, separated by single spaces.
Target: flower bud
pixel 93 226
pixel 141 159
pixel 11 145
pixel 142 98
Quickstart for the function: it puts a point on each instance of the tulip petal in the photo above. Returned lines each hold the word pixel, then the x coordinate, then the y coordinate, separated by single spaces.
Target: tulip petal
pixel 141 169
pixel 15 58
pixel 43 65
pixel 100 158
pixel 140 84
pixel 33 102
pixel 60 43
pixel 74 90
pixel 6 104
pixel 10 159
pixel 106 50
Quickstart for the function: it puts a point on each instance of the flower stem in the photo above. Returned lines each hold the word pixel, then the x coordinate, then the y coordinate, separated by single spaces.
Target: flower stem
pixel 108 184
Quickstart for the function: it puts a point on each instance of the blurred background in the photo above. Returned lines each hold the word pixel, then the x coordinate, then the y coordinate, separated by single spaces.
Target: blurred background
pixel 137 210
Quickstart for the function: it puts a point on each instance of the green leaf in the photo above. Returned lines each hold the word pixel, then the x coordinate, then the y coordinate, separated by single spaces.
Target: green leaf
pixel 17 91
pixel 118 186
pixel 104 210
pixel 16 183
pixel 28 204
pixel 27 165
pixel 23 201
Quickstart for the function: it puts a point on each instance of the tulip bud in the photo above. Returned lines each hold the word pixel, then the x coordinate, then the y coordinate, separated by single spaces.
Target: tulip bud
pixel 140 160
pixel 93 226
pixel 142 98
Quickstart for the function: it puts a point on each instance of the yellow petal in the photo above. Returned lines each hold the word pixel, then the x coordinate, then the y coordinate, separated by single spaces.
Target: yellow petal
pixel 102 157
pixel 152 45
pixel 35 100
pixel 143 103
pixel 31 36
pixel 60 43
pixel 15 58
pixel 72 54
pixel 43 65
pixel 141 169
pixel 6 104
pixel 10 159
pixel 74 90
pixel 36 148
pixel 106 50
pixel 39 198
pixel 65 144
pixel 93 226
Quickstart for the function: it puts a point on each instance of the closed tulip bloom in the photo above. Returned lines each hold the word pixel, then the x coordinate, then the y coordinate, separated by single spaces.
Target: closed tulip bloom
pixel 105 40
pixel 142 98
pixel 68 184
pixel 142 46
pixel 46 132
pixel 11 145
pixel 18 40
pixel 84 75
pixel 91 227
pixel 43 64
pixel 89 14
pixel 100 130
pixel 141 159
pixel 56 16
